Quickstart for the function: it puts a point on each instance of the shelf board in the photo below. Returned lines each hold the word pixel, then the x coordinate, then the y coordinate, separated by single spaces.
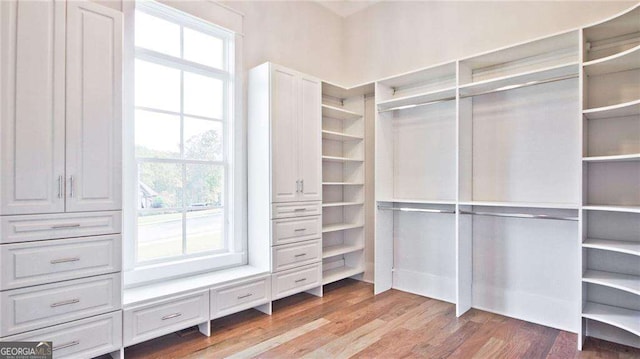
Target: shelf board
pixel 340 227
pixel 340 159
pixel 336 274
pixel 631 108
pixel 611 208
pixel 342 184
pixel 406 102
pixel 339 136
pixel 341 204
pixel 626 319
pixel 627 247
pixel 416 201
pixel 521 204
pixel 506 82
pixel 616 158
pixel 339 113
pixel 623 61
pixel 625 282
pixel 332 251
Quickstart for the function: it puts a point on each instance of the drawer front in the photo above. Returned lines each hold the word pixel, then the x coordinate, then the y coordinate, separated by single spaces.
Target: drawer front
pixel 40 306
pixel 62 225
pixel 295 209
pixel 296 229
pixel 296 280
pixel 165 316
pixel 296 254
pixel 85 338
pixel 241 296
pixel 33 263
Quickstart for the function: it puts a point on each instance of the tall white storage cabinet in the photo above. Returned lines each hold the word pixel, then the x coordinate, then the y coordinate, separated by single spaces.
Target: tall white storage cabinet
pixel 60 198
pixel 285 181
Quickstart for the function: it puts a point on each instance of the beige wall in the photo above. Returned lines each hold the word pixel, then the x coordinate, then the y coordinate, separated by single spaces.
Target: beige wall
pixel 391 37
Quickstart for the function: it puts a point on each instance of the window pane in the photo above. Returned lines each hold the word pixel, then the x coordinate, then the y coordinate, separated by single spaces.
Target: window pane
pixel 157 135
pixel 203 49
pixel 160 185
pixel 204 186
pixel 157 86
pixel 157 34
pixel 159 235
pixel 205 230
pixel 202 139
pixel 203 96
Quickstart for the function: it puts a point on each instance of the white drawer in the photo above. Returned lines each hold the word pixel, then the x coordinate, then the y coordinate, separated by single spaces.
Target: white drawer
pixel 84 338
pixel 39 227
pixel 295 229
pixel 32 263
pixel 240 296
pixel 296 280
pixel 165 316
pixel 295 209
pixel 297 254
pixel 44 305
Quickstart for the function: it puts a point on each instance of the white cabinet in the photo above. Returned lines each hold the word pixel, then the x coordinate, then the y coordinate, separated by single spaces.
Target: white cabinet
pixel 60 69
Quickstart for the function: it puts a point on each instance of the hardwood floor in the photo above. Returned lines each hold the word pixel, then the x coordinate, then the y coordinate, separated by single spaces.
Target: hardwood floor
pixel 349 321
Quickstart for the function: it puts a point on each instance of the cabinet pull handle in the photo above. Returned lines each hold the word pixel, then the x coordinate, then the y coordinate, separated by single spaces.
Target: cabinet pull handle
pixel 66 345
pixel 170 316
pixel 65 260
pixel 301 280
pixel 245 296
pixel 302 185
pixel 299 229
pixel 70 186
pixel 65 302
pixel 66 226
pixel 299 209
pixel 59 186
pixel 300 255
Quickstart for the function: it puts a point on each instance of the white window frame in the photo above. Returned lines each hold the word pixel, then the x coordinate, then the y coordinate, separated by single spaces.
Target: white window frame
pixel 234 253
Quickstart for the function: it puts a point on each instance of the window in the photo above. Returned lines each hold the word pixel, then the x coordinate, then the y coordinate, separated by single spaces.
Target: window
pixel 183 126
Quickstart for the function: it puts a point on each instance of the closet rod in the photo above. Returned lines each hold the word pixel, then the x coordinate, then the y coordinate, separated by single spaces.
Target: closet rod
pixel 408 209
pixel 416 105
pixel 520 215
pixel 526 84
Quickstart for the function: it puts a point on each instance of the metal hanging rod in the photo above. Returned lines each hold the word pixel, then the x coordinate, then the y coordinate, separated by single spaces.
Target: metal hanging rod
pixel 408 209
pixel 520 215
pixel 417 105
pixel 526 84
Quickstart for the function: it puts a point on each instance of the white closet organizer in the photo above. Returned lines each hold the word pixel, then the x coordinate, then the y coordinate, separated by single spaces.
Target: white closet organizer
pixel 611 180
pixel 343 180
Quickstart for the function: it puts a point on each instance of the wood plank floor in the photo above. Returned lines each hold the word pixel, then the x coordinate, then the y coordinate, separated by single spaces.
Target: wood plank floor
pixel 349 321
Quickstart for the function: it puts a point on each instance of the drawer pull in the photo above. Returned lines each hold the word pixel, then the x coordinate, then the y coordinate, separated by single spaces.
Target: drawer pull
pixel 66 226
pixel 301 280
pixel 299 229
pixel 65 302
pixel 245 296
pixel 300 255
pixel 70 344
pixel 65 260
pixel 170 316
pixel 299 209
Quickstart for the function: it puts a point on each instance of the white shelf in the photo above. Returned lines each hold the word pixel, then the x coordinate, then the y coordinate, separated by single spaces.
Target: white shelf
pixel 342 184
pixel 339 113
pixel 405 102
pixel 506 82
pixel 340 227
pixel 631 108
pixel 337 250
pixel 626 319
pixel 623 61
pixel 625 282
pixel 336 274
pixel 339 136
pixel 626 247
pixel 616 158
pixel 521 204
pixel 340 159
pixel 416 201
pixel 341 204
pixel 610 208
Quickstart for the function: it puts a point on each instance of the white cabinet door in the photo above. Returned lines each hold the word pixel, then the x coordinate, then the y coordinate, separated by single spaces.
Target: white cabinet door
pixel 94 107
pixel 32 106
pixel 284 135
pixel 310 135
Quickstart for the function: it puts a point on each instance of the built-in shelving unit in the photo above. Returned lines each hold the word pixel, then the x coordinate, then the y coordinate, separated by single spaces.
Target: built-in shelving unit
pixel 343 171
pixel 611 180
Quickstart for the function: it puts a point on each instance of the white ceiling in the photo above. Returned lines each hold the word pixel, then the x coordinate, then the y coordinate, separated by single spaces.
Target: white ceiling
pixel 345 8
